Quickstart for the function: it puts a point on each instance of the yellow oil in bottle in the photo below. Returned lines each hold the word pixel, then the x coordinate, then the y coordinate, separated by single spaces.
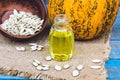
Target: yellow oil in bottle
pixel 61 39
pixel 61 44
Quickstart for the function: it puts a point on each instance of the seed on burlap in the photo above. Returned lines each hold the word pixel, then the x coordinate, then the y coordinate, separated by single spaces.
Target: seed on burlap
pixel 35 64
pixel 38 62
pixel 18 48
pixel 79 67
pixel 39 67
pixel 48 58
pixel 58 68
pixel 66 66
pixel 95 67
pixel 96 60
pixel 75 73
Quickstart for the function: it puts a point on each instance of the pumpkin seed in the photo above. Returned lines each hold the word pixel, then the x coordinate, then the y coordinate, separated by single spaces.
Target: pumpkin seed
pixel 39 67
pixel 35 46
pixel 48 58
pixel 45 68
pixel 38 62
pixel 45 65
pixel 66 66
pixel 15 12
pixel 58 68
pixel 20 48
pixel 95 67
pixel 39 48
pixel 96 60
pixel 35 64
pixel 80 67
pixel 75 73
pixel 32 44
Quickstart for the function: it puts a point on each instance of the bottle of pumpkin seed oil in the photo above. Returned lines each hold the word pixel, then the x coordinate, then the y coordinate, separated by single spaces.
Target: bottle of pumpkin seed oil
pixel 61 39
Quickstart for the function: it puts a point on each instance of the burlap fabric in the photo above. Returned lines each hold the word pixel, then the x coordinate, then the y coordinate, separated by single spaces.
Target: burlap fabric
pixel 17 63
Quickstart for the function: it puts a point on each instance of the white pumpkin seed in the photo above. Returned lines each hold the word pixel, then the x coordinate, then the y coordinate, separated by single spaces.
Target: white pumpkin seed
pixel 35 64
pixel 38 62
pixel 39 48
pixel 39 67
pixel 20 48
pixel 75 73
pixel 48 58
pixel 33 48
pixel 15 12
pixel 96 60
pixel 45 68
pixel 58 68
pixel 95 67
pixel 45 65
pixel 80 67
pixel 33 44
pixel 66 66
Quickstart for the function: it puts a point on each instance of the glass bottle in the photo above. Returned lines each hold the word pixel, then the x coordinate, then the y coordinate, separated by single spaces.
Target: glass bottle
pixel 61 39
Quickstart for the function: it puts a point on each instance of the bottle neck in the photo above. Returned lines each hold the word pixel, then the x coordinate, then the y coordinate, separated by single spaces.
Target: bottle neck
pixel 61 21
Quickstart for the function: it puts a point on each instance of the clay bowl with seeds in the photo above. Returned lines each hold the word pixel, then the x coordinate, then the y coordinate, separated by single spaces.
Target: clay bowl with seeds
pixel 30 8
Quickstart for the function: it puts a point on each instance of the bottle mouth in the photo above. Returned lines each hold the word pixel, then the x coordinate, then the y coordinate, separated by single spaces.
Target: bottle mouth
pixel 61 18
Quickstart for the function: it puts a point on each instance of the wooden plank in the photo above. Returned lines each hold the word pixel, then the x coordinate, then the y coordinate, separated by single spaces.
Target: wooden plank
pixel 115 50
pixel 113 68
pixel 115 36
pixel 113 64
pixel 3 77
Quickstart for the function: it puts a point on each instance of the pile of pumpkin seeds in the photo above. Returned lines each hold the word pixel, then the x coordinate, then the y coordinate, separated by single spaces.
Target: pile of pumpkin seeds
pixel 22 23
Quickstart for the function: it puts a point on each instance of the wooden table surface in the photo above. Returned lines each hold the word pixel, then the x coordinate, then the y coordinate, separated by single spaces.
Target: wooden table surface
pixel 113 64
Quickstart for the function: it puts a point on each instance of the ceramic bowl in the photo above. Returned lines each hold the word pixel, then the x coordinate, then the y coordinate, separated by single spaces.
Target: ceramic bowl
pixel 36 7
